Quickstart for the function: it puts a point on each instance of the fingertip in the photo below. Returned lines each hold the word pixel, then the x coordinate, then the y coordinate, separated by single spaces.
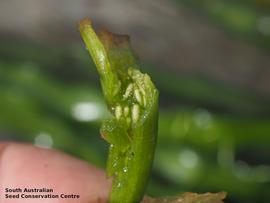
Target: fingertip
pixel 35 167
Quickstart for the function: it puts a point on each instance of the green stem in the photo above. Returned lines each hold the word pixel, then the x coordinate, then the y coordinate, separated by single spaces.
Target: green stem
pixel 132 100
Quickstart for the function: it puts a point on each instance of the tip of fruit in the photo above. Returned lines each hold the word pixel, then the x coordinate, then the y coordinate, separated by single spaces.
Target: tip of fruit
pixel 84 23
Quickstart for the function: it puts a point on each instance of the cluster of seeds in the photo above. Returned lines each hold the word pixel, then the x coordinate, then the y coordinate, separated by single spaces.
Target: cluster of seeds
pixel 138 96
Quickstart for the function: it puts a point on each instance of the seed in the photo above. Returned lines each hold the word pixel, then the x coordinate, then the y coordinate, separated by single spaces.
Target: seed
pixel 118 112
pixel 142 90
pixel 144 101
pixel 138 96
pixel 135 113
pixel 128 91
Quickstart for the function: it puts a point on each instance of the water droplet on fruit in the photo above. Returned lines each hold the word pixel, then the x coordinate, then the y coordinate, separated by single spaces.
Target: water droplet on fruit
pixel 118 185
pixel 125 169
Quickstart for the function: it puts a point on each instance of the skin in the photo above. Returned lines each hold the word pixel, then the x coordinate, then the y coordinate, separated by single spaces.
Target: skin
pixel 23 165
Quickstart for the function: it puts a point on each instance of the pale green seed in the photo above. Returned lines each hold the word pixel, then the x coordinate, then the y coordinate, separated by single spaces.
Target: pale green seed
pixel 118 112
pixel 138 96
pixel 128 91
pixel 135 113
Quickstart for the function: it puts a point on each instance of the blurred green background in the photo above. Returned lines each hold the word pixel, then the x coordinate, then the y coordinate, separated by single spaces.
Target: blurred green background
pixel 209 59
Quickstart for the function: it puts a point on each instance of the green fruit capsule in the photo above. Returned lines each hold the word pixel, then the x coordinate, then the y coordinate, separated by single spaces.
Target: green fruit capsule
pixel 132 100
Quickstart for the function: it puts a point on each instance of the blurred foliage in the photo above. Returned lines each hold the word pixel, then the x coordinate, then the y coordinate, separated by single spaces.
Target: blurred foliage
pixel 212 137
pixel 246 18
